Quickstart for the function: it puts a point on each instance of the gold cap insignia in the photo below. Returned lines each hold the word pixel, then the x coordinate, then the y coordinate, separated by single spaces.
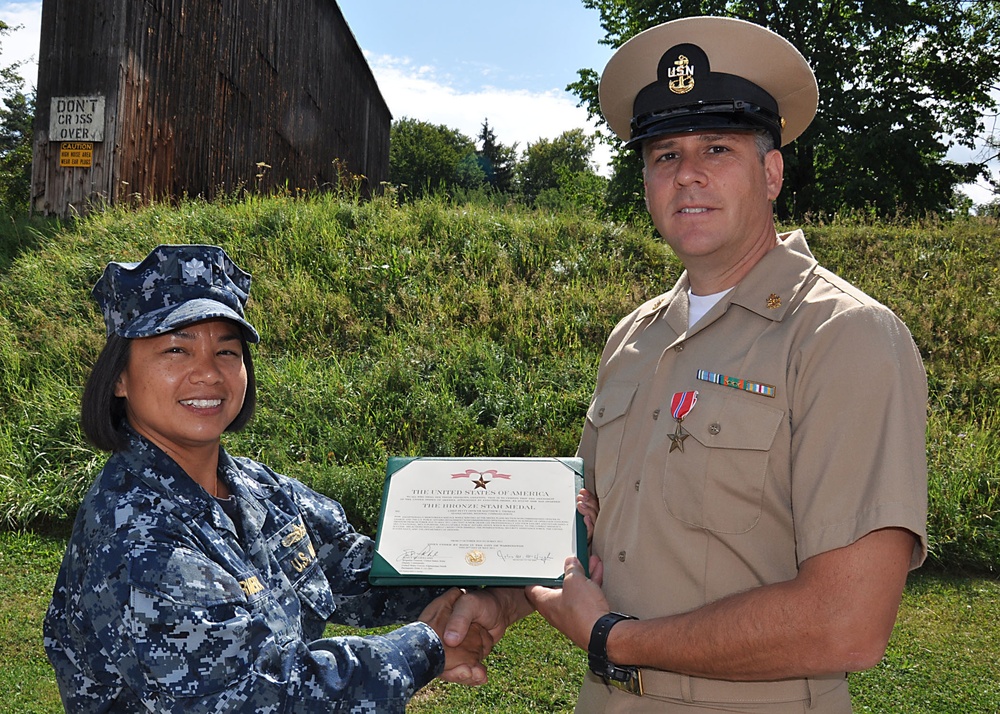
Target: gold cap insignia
pixel 681 76
pixel 773 302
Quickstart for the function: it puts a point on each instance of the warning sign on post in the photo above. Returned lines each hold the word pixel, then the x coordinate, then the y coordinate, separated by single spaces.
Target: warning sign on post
pixel 76 119
pixel 78 154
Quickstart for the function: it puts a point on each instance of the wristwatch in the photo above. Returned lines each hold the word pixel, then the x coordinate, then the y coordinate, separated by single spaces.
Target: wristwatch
pixel 624 677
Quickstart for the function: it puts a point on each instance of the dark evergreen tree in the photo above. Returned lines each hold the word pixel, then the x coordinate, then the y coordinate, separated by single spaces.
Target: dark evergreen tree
pixel 498 162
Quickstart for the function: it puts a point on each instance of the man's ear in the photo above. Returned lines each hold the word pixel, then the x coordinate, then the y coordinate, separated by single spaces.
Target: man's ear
pixel 774 171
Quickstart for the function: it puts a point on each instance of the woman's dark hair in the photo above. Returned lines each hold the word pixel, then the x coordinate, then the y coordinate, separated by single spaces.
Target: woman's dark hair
pixel 102 414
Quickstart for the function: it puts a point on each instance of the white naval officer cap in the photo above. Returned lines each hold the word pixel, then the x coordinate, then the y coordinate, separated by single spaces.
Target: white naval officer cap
pixel 705 73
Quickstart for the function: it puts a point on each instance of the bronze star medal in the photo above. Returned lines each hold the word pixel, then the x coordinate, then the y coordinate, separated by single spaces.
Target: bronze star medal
pixel 480 482
pixel 681 405
pixel 677 438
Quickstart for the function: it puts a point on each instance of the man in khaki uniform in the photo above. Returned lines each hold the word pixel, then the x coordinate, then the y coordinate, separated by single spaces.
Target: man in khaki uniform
pixel 756 437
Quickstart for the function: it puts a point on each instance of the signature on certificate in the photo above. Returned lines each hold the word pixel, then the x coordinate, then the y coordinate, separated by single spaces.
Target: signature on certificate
pixel 509 557
pixel 412 555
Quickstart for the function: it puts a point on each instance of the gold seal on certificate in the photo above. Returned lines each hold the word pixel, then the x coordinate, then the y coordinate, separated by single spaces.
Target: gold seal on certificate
pixel 478 521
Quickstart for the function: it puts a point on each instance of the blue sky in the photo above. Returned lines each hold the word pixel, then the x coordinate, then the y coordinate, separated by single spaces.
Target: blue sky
pixel 458 62
pixel 533 45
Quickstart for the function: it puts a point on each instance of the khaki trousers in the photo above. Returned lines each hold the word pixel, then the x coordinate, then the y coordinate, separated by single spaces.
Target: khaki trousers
pixel 669 693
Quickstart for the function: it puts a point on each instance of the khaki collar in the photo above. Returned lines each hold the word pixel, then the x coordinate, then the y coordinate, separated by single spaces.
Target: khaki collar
pixel 769 289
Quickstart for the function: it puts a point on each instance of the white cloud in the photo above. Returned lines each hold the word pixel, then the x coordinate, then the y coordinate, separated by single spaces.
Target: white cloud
pixel 516 116
pixel 22 43
pixel 981 192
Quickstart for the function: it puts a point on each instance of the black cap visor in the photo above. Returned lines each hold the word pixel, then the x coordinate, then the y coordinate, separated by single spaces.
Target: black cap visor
pixel 726 115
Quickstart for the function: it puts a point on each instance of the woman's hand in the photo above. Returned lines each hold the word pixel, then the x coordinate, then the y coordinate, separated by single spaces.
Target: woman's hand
pixel 463 657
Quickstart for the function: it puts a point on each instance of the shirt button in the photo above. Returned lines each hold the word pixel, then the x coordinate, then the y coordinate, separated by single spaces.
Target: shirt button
pixel 636 485
pixel 679 348
pixel 621 556
pixel 600 412
pixel 714 429
pixel 656 414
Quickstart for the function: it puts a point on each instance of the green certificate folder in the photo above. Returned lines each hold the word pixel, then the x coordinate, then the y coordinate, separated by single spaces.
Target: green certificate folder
pixel 478 521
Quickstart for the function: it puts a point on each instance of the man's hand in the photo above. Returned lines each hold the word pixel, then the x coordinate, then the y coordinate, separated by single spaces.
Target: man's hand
pixel 463 655
pixel 574 608
pixel 588 506
pixel 492 609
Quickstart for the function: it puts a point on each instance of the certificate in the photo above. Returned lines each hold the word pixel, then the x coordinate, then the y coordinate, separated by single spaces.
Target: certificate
pixel 478 521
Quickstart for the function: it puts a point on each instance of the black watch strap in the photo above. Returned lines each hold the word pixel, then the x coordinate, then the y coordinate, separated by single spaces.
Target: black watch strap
pixel 598 648
pixel 627 678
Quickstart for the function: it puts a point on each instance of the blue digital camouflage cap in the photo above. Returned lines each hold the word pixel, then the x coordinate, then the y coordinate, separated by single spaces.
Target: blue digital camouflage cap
pixel 173 286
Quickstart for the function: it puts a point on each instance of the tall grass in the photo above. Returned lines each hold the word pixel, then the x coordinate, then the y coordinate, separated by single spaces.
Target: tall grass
pixel 432 328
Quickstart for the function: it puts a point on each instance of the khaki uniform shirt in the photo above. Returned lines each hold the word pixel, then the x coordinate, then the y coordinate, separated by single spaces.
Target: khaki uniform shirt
pixel 763 482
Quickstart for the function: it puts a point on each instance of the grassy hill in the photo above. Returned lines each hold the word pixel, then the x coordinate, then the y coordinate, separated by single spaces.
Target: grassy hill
pixel 454 330
pixel 457 330
pixel 425 329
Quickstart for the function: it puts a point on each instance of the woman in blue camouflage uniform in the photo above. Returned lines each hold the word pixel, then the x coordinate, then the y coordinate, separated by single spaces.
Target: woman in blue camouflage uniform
pixel 196 581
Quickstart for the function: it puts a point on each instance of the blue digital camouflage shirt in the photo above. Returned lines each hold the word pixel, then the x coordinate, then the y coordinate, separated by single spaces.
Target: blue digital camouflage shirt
pixel 164 603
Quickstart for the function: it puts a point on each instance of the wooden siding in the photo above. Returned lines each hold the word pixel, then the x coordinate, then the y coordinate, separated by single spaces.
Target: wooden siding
pixel 207 96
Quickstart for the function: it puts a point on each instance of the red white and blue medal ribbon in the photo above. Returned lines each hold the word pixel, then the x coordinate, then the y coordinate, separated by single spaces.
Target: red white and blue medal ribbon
pixel 681 405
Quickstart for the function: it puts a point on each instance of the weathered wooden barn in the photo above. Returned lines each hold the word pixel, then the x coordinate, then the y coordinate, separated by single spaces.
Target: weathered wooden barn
pixel 142 100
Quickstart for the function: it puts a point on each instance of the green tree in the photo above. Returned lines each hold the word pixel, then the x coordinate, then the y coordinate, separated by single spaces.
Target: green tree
pixel 10 80
pixel 548 162
pixel 900 82
pixel 991 151
pixel 17 111
pixel 16 119
pixel 498 162
pixel 426 158
pixel 576 191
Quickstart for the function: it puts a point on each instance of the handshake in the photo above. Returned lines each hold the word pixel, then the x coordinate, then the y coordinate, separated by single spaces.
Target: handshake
pixel 470 623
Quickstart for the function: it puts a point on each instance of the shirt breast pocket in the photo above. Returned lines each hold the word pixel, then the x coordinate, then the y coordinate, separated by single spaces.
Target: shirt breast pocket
pixel 718 483
pixel 607 415
pixel 293 550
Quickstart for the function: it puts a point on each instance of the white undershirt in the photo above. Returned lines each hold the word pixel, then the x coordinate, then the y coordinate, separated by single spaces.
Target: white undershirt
pixel 698 305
